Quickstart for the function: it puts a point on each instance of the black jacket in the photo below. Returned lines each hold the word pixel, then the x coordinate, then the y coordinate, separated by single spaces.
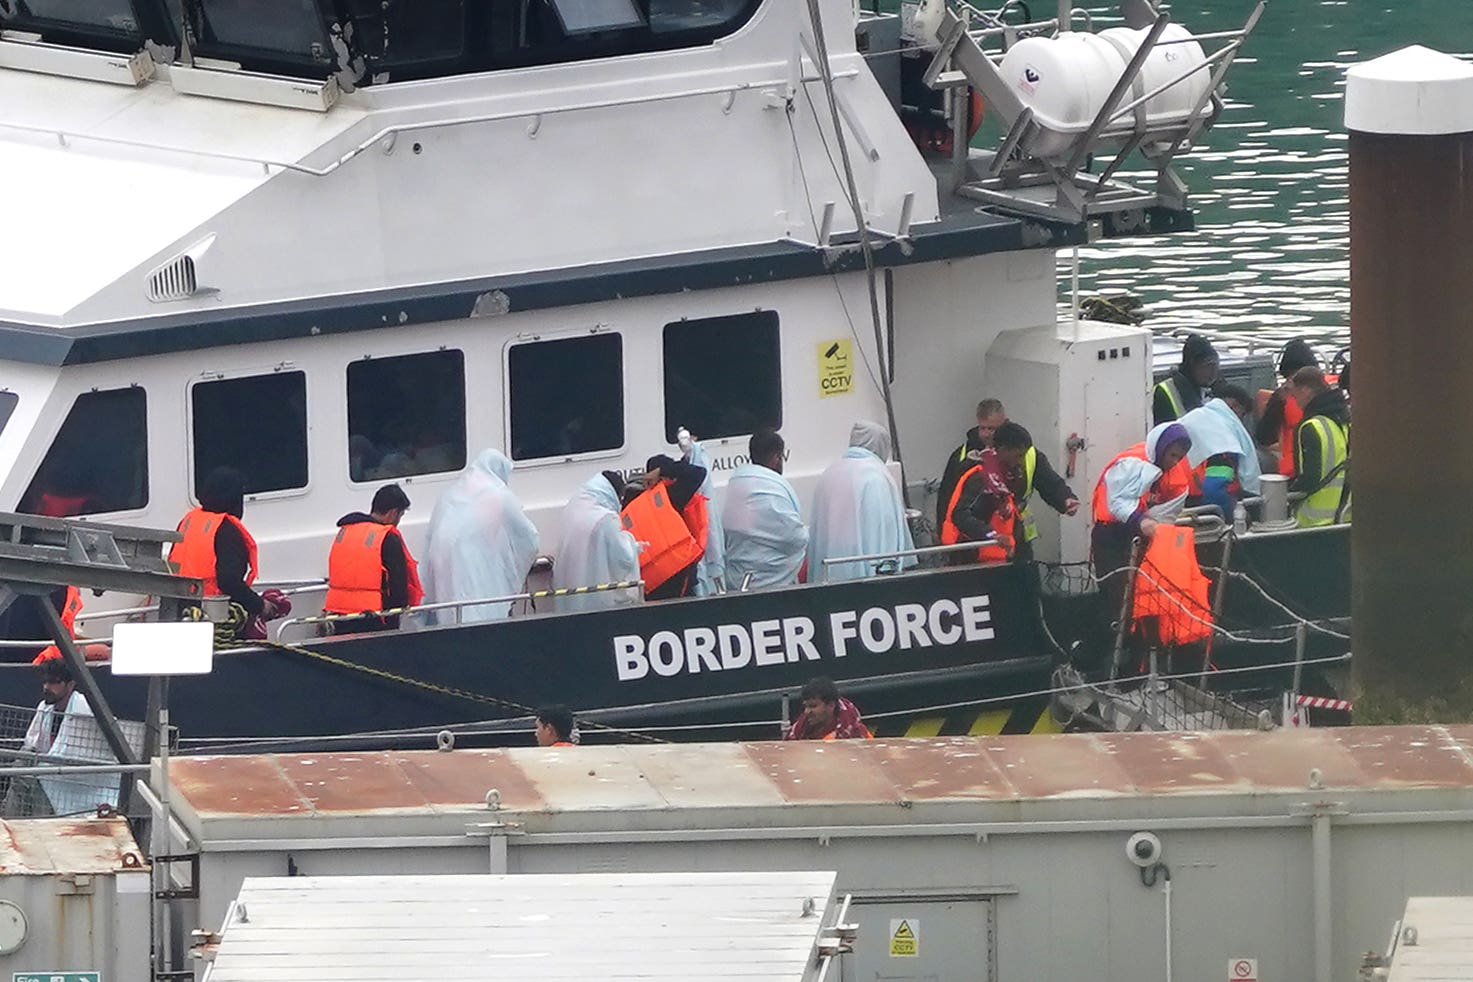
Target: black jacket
pixel 1308 454
pixel 956 465
pixel 231 562
pixel 1050 486
pixel 685 478
pixel 396 566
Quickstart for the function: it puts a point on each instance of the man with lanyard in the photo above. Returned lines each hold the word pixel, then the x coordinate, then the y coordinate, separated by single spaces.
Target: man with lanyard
pixel 1321 450
pixel 669 517
pixel 369 567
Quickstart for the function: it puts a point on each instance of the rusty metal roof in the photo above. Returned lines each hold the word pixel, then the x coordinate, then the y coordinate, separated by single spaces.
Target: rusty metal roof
pixel 40 846
pixel 993 776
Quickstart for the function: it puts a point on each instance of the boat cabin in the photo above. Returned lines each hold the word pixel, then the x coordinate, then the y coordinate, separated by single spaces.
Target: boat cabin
pixel 348 243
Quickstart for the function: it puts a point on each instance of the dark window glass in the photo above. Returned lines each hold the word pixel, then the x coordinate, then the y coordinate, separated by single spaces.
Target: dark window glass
pixel 406 416
pixel 398 37
pixel 98 462
pixel 723 375
pixel 265 35
pixel 8 402
pixel 110 15
pixel 257 425
pixel 106 25
pixel 567 396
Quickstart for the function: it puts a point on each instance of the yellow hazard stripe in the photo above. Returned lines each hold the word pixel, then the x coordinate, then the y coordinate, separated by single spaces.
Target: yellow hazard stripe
pixel 990 723
pixel 927 726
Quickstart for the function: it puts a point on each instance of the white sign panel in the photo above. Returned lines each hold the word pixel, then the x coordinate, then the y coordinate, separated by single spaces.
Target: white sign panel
pixel 163 649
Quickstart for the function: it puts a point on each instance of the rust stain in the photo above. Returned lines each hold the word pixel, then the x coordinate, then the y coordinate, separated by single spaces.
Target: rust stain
pixel 946 767
pixel 462 777
pixel 767 774
pixel 1057 766
pixel 345 782
pixel 235 786
pixel 67 846
pixel 1162 763
pixel 823 771
pixel 1407 756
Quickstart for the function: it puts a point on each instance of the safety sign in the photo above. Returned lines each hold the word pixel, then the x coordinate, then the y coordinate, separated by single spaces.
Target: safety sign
pixel 835 367
pixel 1243 970
pixel 905 938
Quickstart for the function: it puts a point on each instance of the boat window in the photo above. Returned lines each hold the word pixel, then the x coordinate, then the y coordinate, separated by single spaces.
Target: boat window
pixel 723 375
pixel 257 425
pixel 99 459
pixel 112 25
pixel 567 396
pixel 406 416
pixel 8 402
pixel 287 36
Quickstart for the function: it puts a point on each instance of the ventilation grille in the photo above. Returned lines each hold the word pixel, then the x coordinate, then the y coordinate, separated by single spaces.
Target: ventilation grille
pixel 174 280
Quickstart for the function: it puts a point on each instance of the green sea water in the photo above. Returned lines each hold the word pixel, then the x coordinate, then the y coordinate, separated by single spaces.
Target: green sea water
pixel 1269 182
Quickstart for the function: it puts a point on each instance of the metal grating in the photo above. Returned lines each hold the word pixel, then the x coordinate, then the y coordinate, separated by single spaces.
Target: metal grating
pixel 44 736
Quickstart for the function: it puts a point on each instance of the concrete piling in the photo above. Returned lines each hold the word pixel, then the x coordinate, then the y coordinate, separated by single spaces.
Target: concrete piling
pixel 1410 117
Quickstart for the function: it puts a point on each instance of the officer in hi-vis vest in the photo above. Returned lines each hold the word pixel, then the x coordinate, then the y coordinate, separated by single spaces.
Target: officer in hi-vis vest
pixel 370 568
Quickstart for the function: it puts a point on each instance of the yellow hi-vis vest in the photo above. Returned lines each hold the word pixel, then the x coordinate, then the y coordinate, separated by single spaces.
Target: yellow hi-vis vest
pixel 1030 527
pixel 1331 503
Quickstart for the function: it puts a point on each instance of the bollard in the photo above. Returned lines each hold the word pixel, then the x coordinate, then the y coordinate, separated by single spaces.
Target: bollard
pixel 1410 117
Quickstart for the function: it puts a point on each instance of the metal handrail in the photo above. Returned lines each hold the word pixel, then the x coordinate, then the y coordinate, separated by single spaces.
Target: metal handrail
pixel 916 551
pixel 459 605
pixel 290 589
pixel 389 132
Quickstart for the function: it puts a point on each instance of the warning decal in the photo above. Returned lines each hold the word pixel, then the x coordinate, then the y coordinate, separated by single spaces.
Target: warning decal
pixel 835 367
pixel 905 938
pixel 1243 970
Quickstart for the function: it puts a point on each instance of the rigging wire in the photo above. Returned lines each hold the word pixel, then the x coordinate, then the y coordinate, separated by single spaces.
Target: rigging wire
pixel 826 73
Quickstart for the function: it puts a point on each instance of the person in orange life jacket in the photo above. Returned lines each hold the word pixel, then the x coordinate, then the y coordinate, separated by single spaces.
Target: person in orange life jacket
pixel 990 415
pixel 369 566
pixel 678 484
pixel 1144 484
pixel 21 621
pixel 556 727
pixel 217 549
pixel 1281 415
pixel 826 715
pixel 982 508
pixel 1188 386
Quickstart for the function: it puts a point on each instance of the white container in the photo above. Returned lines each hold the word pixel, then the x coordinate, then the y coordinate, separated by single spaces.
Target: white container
pixel 1066 79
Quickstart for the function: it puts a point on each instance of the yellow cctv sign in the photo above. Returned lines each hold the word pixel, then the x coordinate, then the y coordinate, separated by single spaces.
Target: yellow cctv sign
pixel 835 367
pixel 905 938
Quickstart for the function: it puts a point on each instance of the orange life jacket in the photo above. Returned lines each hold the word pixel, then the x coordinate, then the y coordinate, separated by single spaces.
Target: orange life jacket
pixel 356 572
pixel 1293 414
pixel 195 554
pixel 1172 588
pixel 1170 485
pixel 55 505
pixel 70 608
pixel 676 538
pixel 1003 523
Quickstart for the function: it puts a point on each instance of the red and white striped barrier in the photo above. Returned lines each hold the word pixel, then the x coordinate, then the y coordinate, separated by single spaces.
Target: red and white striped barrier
pixel 1319 702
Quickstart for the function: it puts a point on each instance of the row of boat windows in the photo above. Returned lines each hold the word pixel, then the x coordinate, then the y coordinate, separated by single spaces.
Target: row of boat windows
pixel 375 40
pixel 407 413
